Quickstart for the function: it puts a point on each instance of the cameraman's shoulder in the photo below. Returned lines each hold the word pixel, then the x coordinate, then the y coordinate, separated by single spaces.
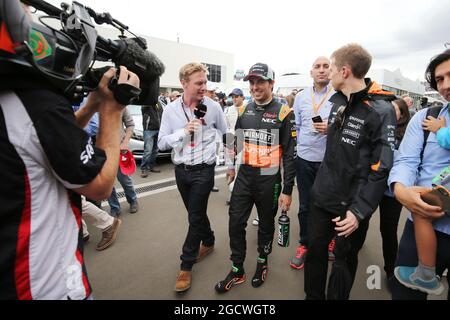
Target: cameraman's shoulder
pixel 39 102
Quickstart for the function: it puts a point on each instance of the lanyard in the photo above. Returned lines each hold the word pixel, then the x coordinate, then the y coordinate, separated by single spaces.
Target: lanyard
pixel 316 107
pixel 184 111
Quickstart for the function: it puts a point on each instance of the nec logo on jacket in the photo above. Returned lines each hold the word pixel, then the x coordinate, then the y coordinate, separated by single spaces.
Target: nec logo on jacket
pixel 352 131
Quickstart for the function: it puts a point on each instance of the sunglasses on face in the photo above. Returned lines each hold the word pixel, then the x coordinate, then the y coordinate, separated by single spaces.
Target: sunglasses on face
pixel 340 117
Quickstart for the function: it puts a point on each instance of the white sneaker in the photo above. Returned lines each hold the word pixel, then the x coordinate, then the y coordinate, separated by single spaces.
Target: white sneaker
pixel 255 221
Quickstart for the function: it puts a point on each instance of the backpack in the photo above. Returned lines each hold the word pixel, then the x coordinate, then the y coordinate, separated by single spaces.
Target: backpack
pixel 434 112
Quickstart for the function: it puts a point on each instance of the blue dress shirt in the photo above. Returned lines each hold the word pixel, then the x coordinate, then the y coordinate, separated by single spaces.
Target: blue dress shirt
pixel 310 144
pixel 407 168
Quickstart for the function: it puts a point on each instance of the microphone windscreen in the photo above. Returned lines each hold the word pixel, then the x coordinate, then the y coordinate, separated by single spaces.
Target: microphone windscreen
pixel 143 62
pixel 200 110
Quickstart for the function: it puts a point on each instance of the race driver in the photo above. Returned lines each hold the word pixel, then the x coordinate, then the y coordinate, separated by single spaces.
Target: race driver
pixel 265 133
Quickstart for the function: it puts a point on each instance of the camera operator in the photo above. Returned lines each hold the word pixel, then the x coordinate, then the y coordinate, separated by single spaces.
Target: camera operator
pixel 48 162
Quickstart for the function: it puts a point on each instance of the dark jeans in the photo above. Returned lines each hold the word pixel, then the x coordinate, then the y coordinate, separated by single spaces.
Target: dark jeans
pixel 407 256
pixel 195 187
pixel 321 231
pixel 390 210
pixel 150 149
pixel 306 174
pixel 128 187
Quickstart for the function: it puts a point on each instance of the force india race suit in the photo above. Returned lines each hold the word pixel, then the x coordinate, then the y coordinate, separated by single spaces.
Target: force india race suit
pixel 265 135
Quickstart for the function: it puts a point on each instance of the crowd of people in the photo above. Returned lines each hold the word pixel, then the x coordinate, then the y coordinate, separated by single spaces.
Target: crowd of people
pixel 350 146
pixel 342 138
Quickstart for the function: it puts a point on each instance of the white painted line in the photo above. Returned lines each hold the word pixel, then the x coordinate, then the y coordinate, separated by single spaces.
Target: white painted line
pixel 152 183
pixel 150 193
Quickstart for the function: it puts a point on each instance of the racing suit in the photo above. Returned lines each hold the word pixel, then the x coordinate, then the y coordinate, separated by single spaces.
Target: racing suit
pixel 265 134
pixel 352 176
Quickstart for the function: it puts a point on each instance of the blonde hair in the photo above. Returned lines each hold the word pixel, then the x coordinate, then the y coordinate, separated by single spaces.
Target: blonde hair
pixel 355 56
pixel 188 69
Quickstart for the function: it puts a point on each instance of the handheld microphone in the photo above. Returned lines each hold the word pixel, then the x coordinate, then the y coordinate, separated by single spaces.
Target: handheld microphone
pixel 199 113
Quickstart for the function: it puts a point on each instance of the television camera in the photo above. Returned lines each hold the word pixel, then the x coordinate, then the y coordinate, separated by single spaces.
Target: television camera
pixel 65 56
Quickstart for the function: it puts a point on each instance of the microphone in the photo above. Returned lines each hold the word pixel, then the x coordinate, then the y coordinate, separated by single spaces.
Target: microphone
pixel 199 113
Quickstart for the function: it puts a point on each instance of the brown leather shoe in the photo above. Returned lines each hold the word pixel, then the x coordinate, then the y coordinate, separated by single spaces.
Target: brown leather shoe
pixel 204 251
pixel 183 281
pixel 109 235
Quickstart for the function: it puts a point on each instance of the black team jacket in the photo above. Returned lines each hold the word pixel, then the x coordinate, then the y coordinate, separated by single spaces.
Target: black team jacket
pixel 359 153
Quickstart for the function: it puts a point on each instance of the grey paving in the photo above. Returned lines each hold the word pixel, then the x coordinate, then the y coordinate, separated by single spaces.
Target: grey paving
pixel 144 261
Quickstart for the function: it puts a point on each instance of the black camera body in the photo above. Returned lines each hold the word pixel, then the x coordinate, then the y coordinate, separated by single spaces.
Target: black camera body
pixel 65 57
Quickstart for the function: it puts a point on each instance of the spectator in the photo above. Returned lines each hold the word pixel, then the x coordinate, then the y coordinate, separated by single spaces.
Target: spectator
pixel 194 154
pixel 211 93
pixel 125 181
pixel 352 177
pixel 423 102
pixel 163 99
pixel 174 95
pixel 101 220
pixel 410 103
pixel 92 210
pixel 418 162
pixel 231 115
pixel 311 144
pixel 390 208
pixel 291 98
pixel 151 121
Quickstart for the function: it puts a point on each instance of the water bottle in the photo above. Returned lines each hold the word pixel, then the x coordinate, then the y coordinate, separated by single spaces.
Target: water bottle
pixel 283 229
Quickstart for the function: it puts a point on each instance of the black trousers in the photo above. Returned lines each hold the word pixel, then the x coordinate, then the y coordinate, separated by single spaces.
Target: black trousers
pixel 195 187
pixel 321 231
pixel 253 187
pixel 390 210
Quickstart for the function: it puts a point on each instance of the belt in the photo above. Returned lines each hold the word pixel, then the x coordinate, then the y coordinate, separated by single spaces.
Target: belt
pixel 195 166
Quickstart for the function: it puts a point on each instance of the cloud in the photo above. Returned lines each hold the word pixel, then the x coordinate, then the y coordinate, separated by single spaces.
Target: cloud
pixel 427 33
